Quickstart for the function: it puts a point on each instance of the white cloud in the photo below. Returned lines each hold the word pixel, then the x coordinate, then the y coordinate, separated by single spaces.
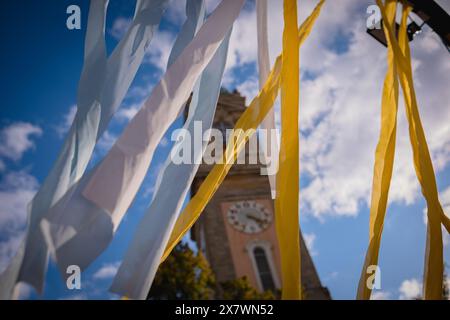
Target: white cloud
pixel 243 46
pixel 176 12
pixel 9 246
pixel 331 276
pixel 65 125
pixel 125 114
pixel 107 271
pixel 120 27
pixel 310 239
pixel 159 50
pixel 340 115
pixel 444 198
pixel 139 93
pixel 15 139
pixel 106 142
pixel 152 179
pixel 380 295
pixel 410 289
pixel 164 142
pixel 249 88
pixel 340 104
pixel 16 191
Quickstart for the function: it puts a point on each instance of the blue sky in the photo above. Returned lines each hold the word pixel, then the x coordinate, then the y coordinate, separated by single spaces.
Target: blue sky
pixel 342 73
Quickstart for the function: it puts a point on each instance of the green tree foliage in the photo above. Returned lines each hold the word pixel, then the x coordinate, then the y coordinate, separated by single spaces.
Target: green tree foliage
pixel 187 275
pixel 240 289
pixel 184 275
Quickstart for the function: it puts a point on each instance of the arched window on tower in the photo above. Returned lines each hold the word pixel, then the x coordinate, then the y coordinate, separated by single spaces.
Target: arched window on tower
pixel 264 270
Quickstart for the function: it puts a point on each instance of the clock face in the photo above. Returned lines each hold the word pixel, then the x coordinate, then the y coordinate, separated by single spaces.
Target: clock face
pixel 249 216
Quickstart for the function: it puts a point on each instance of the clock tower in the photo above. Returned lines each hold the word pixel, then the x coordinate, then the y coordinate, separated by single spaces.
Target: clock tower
pixel 236 231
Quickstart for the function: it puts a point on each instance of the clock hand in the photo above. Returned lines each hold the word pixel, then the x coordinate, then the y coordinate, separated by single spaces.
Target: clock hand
pixel 258 220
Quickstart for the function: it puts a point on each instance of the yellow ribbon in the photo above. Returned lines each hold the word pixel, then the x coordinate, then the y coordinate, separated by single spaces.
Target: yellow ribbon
pixel 434 264
pixel 384 160
pixel 250 119
pixel 286 202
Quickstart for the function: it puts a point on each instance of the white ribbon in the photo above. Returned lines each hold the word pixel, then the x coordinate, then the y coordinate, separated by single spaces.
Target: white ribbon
pixel 143 256
pixel 117 179
pixel 81 225
pixel 76 229
pixel 103 85
pixel 268 123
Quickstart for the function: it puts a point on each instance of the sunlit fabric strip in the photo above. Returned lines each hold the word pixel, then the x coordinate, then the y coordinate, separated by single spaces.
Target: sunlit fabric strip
pixel 126 58
pixel 142 258
pixel 121 69
pixel 103 85
pixel 100 94
pixel 434 264
pixel 286 201
pixel 78 228
pixel 195 13
pixel 117 179
pixel 268 123
pixel 434 261
pixel 30 262
pixel 384 161
pixel 74 221
pixel 403 63
pixel 250 119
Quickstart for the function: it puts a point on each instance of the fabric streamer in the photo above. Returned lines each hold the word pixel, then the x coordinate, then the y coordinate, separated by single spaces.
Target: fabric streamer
pixel 195 16
pixel 195 13
pixel 286 201
pixel 268 123
pixel 384 160
pixel 132 153
pixel 434 261
pixel 263 43
pixel 64 220
pixel 434 264
pixel 80 229
pixel 141 261
pixel 103 85
pixel 250 119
